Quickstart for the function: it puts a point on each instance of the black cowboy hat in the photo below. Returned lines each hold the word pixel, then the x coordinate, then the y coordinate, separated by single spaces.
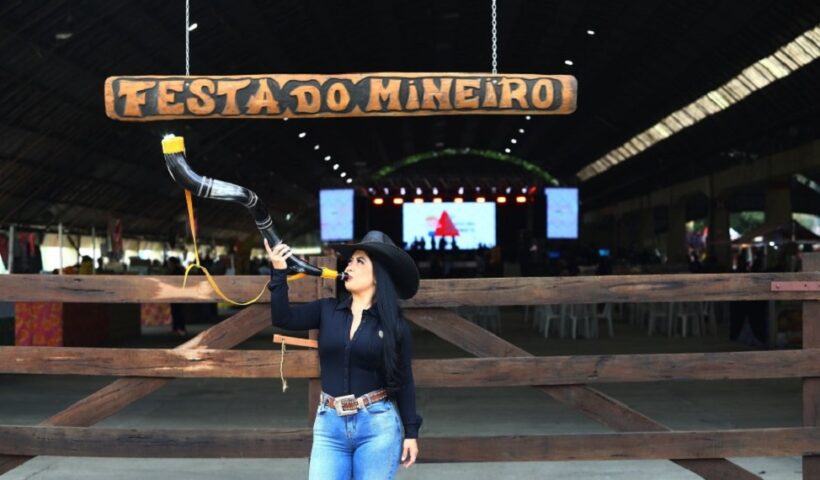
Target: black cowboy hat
pixel 399 264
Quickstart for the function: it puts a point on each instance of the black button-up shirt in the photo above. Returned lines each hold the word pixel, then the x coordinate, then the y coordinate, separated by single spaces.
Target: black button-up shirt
pixel 347 366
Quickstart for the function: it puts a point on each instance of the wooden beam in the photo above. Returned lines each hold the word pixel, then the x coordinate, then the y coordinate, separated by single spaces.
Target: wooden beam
pixel 593 403
pixel 432 293
pixel 587 369
pixel 290 443
pixel 142 289
pixel 158 363
pixel 610 288
pixel 149 98
pixel 429 373
pixel 295 341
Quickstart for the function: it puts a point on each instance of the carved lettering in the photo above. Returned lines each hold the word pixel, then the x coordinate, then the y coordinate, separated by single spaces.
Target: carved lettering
pixel 228 88
pixel 201 102
pixel 263 99
pixel 134 93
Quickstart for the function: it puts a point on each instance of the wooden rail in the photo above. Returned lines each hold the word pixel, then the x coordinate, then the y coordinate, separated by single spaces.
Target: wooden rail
pixel 288 443
pixel 433 373
pixel 432 293
pixel 566 379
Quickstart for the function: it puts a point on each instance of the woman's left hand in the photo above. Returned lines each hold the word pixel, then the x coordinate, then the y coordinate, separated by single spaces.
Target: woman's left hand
pixel 409 452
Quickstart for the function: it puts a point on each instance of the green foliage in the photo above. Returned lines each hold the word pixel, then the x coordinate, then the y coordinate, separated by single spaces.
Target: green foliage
pixel 449 152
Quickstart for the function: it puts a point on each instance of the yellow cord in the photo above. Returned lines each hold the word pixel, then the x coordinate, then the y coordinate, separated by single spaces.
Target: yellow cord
pixel 282 369
pixel 196 264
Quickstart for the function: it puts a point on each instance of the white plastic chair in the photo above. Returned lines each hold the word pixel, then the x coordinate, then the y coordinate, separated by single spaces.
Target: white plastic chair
pixel 658 311
pixel 689 316
pixel 579 313
pixel 604 314
pixel 544 315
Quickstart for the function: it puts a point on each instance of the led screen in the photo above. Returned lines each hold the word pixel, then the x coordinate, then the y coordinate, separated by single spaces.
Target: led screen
pixel 336 214
pixel 469 225
pixel 562 212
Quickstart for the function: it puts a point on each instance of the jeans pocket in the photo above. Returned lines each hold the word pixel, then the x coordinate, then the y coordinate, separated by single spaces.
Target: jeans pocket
pixel 380 408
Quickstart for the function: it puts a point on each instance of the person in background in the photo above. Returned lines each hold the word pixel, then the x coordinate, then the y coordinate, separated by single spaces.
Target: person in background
pixel 86 265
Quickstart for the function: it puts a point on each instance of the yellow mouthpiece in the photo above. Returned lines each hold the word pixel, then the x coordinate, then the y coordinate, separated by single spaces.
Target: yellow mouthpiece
pixel 173 144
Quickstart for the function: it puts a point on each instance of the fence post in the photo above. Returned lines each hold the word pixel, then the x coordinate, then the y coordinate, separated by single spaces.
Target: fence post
pixel 811 386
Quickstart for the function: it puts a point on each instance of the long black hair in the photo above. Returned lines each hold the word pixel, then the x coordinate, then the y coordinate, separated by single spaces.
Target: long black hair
pixel 391 318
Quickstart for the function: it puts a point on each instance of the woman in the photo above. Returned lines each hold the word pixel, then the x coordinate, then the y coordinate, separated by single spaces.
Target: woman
pixel 365 350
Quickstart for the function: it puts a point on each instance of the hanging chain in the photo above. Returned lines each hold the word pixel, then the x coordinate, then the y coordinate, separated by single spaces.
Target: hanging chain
pixel 495 39
pixel 188 39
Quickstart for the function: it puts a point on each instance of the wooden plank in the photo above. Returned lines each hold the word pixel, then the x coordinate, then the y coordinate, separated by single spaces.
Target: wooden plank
pixel 283 443
pixel 593 403
pixel 591 369
pixel 609 288
pixel 811 386
pixel 429 373
pixel 148 443
pixel 158 363
pixel 152 97
pixel 295 341
pixel 141 289
pixel 432 293
pixel 121 393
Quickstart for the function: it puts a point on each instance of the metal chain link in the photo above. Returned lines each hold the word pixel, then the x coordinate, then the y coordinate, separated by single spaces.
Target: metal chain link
pixel 187 38
pixel 495 39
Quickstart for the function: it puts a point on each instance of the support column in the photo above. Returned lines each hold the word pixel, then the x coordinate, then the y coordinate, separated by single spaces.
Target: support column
pixel 10 266
pixel 719 247
pixel 778 212
pixel 646 228
pixel 778 202
pixel 676 250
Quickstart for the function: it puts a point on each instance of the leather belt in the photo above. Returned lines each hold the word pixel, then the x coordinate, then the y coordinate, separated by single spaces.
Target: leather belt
pixel 350 404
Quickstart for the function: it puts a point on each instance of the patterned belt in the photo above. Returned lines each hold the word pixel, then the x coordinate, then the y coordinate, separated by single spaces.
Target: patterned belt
pixel 350 404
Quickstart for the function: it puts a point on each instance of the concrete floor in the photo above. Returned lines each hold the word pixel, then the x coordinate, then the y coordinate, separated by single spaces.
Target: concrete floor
pixel 217 403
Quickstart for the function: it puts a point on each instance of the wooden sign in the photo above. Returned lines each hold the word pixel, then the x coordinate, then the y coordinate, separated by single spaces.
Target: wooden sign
pixel 150 98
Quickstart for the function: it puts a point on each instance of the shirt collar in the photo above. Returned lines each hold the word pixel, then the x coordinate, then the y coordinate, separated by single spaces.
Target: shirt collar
pixel 348 302
pixel 345 304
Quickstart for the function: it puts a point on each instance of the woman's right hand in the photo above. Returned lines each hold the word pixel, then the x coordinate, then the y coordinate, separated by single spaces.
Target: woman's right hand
pixel 278 255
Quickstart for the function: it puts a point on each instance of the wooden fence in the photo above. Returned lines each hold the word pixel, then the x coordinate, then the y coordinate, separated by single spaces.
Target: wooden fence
pixel 568 379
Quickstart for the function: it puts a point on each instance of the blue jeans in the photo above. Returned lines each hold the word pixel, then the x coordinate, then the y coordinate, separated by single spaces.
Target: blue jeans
pixel 363 446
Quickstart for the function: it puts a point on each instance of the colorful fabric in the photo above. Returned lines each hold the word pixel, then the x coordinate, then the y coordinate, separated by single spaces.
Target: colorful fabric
pixel 38 324
pixel 152 314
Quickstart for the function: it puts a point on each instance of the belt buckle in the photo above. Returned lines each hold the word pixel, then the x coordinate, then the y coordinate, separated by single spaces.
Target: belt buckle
pixel 338 404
